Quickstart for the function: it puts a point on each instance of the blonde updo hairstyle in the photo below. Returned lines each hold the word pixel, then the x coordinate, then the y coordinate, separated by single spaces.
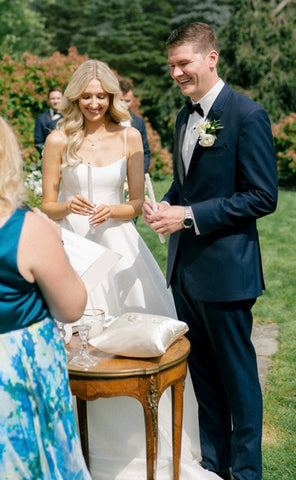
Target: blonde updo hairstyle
pixel 72 123
pixel 12 189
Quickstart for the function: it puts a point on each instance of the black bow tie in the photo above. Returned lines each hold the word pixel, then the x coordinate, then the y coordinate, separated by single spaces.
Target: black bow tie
pixel 194 107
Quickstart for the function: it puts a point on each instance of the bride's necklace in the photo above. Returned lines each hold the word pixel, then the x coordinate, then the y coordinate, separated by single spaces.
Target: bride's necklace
pixel 95 140
pixel 93 143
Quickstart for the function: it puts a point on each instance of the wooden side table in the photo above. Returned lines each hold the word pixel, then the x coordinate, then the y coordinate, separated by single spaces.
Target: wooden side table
pixel 143 379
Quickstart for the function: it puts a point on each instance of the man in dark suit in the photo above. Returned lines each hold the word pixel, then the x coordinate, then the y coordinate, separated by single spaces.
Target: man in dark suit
pixel 46 122
pixel 225 178
pixel 127 96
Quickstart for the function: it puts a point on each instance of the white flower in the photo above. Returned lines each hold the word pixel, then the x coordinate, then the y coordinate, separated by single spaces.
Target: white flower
pixel 34 182
pixel 203 127
pixel 207 140
pixel 206 131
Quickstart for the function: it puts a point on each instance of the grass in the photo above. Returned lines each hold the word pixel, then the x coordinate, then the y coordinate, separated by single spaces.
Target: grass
pixel 277 233
pixel 277 305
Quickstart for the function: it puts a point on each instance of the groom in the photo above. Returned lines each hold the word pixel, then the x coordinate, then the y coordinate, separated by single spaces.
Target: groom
pixel 225 178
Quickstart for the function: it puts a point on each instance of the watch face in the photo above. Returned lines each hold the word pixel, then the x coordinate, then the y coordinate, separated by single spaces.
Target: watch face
pixel 188 222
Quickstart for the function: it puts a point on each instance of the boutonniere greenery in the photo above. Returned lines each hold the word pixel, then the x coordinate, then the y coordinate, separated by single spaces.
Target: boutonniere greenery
pixel 207 132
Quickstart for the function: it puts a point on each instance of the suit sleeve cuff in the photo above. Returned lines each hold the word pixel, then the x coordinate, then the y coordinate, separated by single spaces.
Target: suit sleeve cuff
pixel 196 229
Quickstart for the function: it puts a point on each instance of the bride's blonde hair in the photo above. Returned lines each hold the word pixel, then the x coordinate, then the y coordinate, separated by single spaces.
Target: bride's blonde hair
pixel 72 123
pixel 12 189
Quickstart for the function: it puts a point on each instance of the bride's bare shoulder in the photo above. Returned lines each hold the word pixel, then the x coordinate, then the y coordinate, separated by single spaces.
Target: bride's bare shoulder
pixel 55 139
pixel 134 137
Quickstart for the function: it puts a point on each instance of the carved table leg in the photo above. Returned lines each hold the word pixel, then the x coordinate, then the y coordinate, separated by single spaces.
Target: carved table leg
pixel 177 417
pixel 83 430
pixel 151 426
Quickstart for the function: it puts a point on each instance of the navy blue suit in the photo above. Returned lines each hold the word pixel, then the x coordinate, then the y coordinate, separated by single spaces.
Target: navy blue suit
pixel 217 275
pixel 43 126
pixel 139 124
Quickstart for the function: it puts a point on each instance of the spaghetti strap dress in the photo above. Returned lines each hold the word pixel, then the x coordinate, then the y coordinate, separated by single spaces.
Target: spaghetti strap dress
pixel 134 284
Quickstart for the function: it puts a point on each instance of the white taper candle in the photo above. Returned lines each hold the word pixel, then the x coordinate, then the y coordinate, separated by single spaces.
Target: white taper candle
pixel 90 192
pixel 89 183
pixel 153 201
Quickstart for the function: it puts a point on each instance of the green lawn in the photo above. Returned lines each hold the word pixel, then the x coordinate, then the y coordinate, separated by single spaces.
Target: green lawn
pixel 277 236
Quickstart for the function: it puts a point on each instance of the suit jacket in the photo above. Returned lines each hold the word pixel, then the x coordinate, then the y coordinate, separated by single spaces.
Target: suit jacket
pixel 139 124
pixel 229 186
pixel 43 126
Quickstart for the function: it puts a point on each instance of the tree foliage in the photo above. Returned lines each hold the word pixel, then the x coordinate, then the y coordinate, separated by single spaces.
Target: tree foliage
pixel 259 53
pixel 22 29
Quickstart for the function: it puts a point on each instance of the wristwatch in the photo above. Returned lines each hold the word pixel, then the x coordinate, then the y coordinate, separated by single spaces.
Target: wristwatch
pixel 188 220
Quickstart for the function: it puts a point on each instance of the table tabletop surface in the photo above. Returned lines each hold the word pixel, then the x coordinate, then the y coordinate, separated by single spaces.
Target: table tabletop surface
pixel 113 365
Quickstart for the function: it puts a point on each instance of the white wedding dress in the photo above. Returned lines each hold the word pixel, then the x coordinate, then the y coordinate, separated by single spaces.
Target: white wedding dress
pixel 136 284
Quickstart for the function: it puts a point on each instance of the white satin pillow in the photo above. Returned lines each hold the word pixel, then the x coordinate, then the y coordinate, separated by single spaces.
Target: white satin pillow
pixel 139 335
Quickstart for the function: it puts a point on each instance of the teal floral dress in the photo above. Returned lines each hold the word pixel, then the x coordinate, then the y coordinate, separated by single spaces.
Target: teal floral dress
pixel 38 436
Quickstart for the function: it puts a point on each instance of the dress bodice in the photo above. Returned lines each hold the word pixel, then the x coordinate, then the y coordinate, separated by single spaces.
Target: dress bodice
pixel 129 284
pixel 107 182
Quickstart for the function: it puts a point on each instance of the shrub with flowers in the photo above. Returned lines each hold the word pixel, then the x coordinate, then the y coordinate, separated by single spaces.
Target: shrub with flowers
pixel 284 134
pixel 33 177
pixel 23 91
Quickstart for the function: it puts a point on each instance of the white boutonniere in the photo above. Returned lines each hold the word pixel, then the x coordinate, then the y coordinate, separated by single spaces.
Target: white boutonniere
pixel 207 132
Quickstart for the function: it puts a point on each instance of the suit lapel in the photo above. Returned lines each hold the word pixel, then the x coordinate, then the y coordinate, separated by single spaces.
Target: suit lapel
pixel 179 144
pixel 218 105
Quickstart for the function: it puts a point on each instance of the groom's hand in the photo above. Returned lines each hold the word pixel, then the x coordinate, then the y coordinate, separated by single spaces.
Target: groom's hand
pixel 168 219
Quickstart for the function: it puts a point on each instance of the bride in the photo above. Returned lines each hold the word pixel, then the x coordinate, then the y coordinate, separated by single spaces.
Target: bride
pixel 90 145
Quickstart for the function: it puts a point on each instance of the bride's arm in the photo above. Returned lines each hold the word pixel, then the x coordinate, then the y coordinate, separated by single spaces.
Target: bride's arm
pixel 51 177
pixel 135 179
pixel 135 172
pixel 51 163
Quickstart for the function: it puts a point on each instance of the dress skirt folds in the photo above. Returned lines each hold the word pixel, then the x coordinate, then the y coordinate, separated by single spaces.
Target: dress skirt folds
pixel 38 436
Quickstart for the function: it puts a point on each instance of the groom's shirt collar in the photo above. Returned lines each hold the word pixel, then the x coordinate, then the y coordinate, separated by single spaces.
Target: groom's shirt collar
pixel 208 99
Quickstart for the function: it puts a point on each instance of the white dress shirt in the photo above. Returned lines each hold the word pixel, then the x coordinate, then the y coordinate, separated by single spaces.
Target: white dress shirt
pixel 53 114
pixel 191 135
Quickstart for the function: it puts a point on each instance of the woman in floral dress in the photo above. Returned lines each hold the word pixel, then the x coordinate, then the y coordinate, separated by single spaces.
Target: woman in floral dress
pixel 38 436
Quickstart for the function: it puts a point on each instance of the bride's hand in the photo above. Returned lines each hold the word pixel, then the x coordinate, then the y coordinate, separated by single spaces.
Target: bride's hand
pixel 81 206
pixel 100 215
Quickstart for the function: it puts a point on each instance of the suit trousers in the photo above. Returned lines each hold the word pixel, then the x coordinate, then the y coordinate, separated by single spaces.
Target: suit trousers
pixel 224 373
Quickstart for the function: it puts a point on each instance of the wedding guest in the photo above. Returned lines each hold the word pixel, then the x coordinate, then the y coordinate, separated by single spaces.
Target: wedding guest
pixel 38 437
pixel 86 161
pixel 225 178
pixel 46 121
pixel 127 96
